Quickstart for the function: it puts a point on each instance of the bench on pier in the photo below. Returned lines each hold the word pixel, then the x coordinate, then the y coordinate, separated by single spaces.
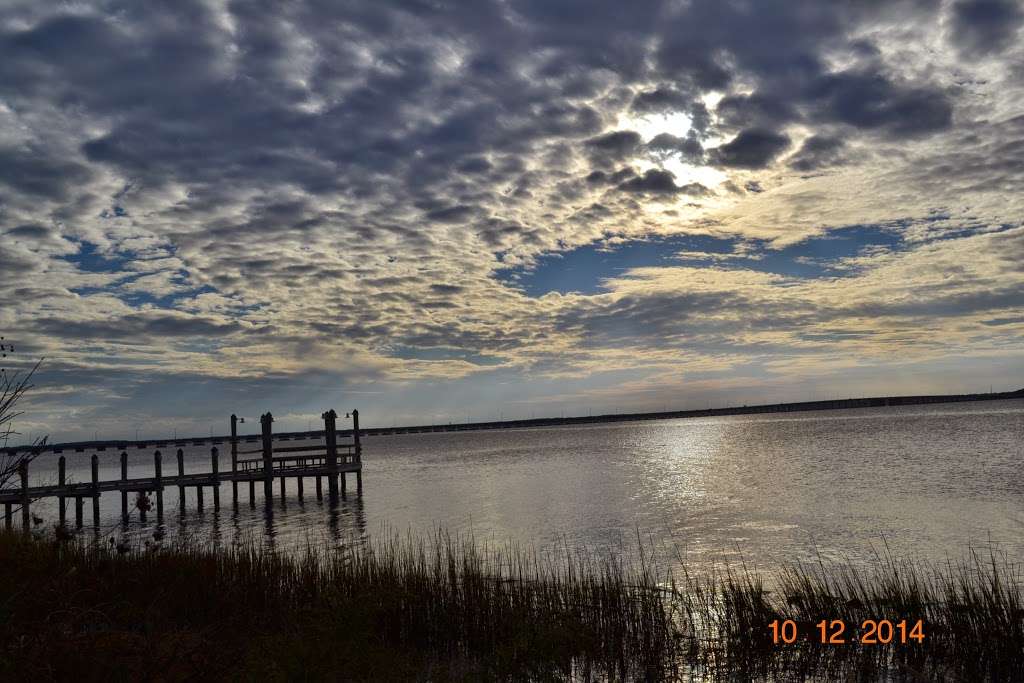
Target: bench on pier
pixel 293 462
pixel 300 457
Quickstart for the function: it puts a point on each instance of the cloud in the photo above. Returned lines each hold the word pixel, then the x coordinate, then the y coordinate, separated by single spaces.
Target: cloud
pixel 664 98
pixel 131 327
pixel 985 27
pixel 689 148
pixel 659 182
pixel 452 214
pixel 871 101
pixel 816 152
pixel 754 148
pixel 614 146
pixel 36 173
pixel 756 110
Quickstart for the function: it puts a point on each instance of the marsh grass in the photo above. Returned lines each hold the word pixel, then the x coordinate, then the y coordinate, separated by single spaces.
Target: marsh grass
pixel 448 608
pixel 398 608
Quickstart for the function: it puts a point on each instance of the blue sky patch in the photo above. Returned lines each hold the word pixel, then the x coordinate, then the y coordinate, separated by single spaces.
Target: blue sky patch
pixel 443 353
pixel 89 260
pixel 584 270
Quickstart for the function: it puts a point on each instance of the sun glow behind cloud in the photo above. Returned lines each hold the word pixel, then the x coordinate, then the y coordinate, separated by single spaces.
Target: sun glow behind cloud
pixel 678 124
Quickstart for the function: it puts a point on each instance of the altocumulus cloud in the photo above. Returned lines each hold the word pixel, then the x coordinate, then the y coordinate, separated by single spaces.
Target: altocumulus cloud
pixel 224 196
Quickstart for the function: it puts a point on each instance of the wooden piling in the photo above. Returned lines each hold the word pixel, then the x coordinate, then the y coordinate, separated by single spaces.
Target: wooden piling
pixel 8 522
pixel 268 458
pixel 95 490
pixel 343 484
pixel 252 493
pixel 215 462
pixel 181 487
pixel 331 440
pixel 319 488
pixel 61 476
pixel 26 520
pixel 283 479
pixel 298 481
pixel 358 451
pixel 124 493
pixel 78 511
pixel 234 458
pixel 158 474
pixel 199 498
pixel 355 436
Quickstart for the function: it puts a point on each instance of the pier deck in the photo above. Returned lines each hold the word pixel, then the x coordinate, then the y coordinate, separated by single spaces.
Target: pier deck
pixel 88 489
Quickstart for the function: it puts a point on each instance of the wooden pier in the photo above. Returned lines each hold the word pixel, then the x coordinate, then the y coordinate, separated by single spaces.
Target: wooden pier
pixel 331 460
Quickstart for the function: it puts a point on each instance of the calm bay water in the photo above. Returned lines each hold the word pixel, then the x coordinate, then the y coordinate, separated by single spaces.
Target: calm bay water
pixel 930 481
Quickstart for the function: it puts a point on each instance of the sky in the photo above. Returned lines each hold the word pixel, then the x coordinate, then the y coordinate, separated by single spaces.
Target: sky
pixel 446 211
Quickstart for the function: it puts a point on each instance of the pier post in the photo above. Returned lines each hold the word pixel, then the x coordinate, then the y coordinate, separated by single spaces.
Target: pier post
pixel 7 515
pixel 215 462
pixel 268 458
pixel 26 520
pixel 283 479
pixel 298 481
pixel 181 486
pixel 359 451
pixel 199 497
pixel 95 490
pixel 331 439
pixel 252 493
pixel 61 479
pixel 355 436
pixel 78 511
pixel 124 493
pixel 158 470
pixel 343 484
pixel 319 488
pixel 234 459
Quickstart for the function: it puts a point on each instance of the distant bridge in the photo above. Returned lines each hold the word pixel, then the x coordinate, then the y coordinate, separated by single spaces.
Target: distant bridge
pixel 838 404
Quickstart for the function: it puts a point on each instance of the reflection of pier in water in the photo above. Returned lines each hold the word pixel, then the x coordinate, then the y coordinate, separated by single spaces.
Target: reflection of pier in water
pixel 330 460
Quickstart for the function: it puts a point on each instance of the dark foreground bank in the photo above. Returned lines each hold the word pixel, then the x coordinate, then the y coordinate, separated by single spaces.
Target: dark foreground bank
pixel 448 609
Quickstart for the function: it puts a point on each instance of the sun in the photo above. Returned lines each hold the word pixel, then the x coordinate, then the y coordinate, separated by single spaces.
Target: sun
pixel 678 124
pixel 650 125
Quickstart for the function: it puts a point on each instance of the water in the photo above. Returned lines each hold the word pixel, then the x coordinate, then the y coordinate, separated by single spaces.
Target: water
pixel 929 481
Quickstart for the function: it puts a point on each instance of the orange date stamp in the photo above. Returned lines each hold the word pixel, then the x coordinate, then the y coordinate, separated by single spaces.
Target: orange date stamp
pixel 837 632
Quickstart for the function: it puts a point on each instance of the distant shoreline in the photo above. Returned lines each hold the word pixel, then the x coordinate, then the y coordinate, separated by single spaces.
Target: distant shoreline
pixel 803 406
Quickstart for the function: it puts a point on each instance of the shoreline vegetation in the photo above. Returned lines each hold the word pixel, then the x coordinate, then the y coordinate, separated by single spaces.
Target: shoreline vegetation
pixel 446 608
